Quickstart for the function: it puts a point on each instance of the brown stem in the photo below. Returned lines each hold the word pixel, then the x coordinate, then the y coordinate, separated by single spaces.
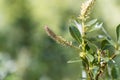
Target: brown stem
pixel 113 56
pixel 90 75
pixel 100 71
pixel 98 74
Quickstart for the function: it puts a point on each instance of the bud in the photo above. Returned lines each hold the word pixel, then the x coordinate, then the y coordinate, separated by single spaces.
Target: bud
pixel 82 55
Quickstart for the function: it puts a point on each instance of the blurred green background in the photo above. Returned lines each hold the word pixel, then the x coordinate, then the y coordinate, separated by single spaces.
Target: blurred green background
pixel 27 53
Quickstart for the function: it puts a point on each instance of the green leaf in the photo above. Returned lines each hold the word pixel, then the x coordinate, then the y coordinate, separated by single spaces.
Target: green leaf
pixel 75 33
pixel 104 44
pixel 74 61
pixel 87 47
pixel 117 59
pixel 92 22
pixel 106 47
pixel 117 52
pixel 118 33
pixel 90 57
pixel 106 59
pixel 95 69
pixel 114 73
pixel 79 27
pixel 92 46
pixel 110 41
pixel 95 27
pixel 108 37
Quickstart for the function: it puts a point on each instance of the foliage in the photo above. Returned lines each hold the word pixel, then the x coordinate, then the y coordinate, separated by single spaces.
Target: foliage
pixel 97 53
pixel 27 53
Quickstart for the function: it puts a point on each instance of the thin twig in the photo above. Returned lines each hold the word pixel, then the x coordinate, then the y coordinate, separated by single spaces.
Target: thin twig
pixel 100 71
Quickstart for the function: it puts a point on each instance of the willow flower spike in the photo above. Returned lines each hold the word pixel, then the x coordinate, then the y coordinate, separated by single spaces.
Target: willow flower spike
pixel 59 39
pixel 85 9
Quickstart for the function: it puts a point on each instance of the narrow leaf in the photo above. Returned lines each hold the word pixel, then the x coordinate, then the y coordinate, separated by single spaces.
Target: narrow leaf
pixel 114 73
pixel 92 22
pixel 105 45
pixel 110 41
pixel 98 26
pixel 106 59
pixel 95 27
pixel 108 38
pixel 118 33
pixel 79 26
pixel 117 58
pixel 75 33
pixel 90 57
pixel 74 61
